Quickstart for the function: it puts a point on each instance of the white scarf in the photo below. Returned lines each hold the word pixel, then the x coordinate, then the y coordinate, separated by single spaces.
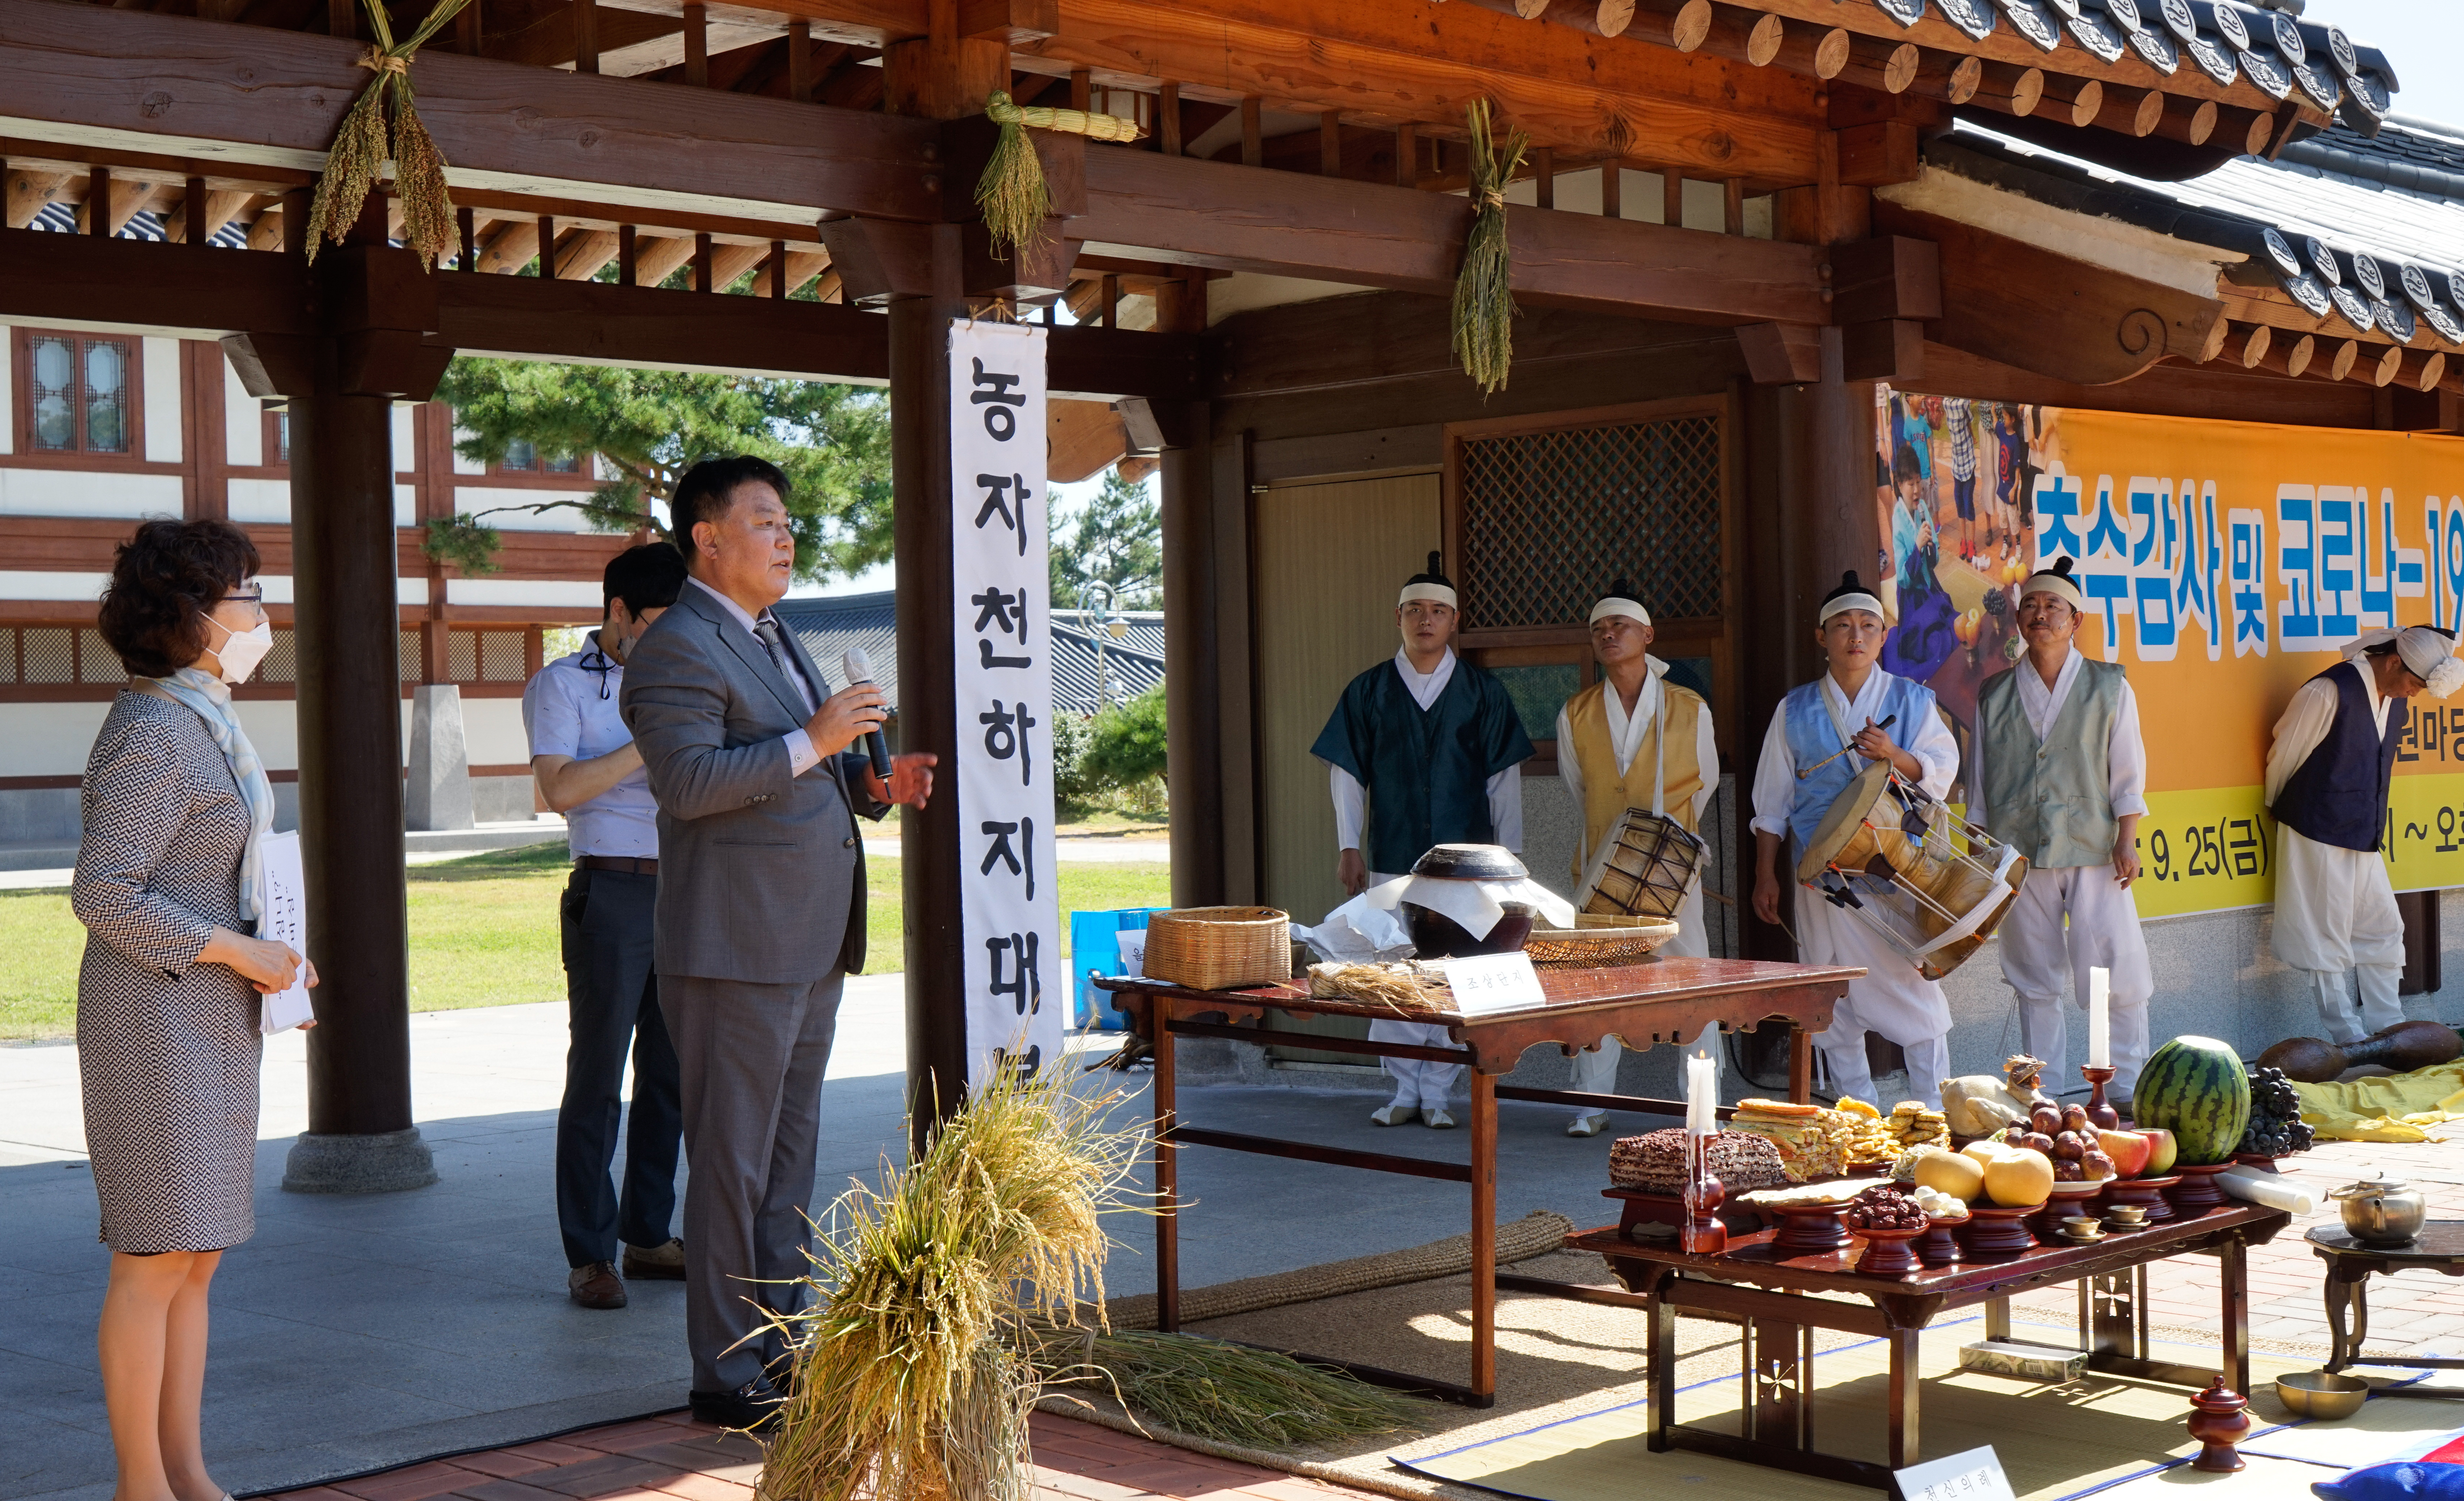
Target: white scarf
pixel 211 699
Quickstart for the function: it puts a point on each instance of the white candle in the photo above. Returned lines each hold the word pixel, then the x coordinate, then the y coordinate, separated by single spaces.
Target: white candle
pixel 1701 1095
pixel 2100 1019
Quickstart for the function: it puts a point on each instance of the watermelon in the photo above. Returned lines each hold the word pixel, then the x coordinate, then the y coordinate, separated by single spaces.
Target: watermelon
pixel 2195 1087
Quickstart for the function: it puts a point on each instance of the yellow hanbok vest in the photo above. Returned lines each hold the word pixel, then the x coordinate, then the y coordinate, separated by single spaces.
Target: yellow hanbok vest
pixel 1606 793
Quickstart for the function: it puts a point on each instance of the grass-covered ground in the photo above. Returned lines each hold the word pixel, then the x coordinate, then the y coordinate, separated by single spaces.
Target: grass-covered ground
pixel 483 932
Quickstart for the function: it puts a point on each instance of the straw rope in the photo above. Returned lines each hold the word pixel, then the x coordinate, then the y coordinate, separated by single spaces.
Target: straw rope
pixel 1483 311
pixel 360 149
pixel 1012 192
pixel 1535 1234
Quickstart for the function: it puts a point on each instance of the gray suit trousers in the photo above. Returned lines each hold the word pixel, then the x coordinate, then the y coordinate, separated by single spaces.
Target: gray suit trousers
pixel 751 1057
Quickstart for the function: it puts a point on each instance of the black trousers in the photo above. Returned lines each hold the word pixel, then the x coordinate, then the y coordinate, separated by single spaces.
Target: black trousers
pixel 614 999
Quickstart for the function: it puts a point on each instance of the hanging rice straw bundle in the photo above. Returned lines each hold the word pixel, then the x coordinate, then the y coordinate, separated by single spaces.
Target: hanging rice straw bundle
pixel 1012 192
pixel 1483 299
pixel 902 1388
pixel 360 149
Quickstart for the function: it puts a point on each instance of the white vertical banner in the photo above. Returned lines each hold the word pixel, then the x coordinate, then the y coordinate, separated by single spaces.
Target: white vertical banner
pixel 1001 639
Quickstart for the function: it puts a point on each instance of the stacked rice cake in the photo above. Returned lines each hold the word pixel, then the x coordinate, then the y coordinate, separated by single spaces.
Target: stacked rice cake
pixel 1915 1126
pixel 1864 1139
pixel 1809 1145
pixel 1656 1163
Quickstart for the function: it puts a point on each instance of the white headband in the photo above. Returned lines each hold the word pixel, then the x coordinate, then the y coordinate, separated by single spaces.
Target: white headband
pixel 1848 602
pixel 1427 591
pixel 2429 654
pixel 2058 585
pixel 1618 605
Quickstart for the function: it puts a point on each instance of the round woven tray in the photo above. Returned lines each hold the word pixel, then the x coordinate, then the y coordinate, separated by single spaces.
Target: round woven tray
pixel 1589 947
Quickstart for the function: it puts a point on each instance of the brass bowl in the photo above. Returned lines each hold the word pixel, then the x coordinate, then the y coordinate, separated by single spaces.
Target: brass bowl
pixel 2317 1394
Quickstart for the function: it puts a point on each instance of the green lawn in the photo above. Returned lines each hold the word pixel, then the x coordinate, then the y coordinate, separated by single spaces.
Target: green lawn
pixel 483 932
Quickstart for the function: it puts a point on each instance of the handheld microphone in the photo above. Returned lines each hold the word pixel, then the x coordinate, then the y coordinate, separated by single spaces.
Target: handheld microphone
pixel 859 670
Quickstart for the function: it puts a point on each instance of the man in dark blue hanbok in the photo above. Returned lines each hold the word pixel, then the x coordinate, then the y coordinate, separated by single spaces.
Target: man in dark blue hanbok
pixel 1435 748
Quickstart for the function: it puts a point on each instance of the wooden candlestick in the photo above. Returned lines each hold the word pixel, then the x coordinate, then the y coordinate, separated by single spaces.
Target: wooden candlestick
pixel 2100 1114
pixel 2219 1423
pixel 1703 1235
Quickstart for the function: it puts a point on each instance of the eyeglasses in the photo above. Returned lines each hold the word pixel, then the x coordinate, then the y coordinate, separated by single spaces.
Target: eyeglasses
pixel 257 598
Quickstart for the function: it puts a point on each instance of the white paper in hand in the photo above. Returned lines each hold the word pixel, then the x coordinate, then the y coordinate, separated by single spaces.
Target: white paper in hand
pixel 285 920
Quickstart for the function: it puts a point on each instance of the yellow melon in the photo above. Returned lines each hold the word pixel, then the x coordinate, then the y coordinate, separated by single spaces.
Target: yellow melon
pixel 1963 1178
pixel 2019 1179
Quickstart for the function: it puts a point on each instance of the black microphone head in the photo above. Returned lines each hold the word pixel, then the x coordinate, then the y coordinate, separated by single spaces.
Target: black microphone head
pixel 859 667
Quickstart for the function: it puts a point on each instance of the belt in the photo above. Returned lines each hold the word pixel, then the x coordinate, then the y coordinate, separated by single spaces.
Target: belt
pixel 626 863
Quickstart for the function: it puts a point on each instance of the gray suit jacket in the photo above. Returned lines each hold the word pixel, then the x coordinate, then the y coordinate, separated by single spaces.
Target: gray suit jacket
pixel 761 872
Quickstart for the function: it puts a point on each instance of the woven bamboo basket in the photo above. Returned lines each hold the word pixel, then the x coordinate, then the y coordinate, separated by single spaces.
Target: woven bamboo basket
pixel 1597 941
pixel 1219 948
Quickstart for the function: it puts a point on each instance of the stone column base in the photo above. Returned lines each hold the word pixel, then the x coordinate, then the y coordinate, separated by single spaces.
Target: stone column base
pixel 383 1163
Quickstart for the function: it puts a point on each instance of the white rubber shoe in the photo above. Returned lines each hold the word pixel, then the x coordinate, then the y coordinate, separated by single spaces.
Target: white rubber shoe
pixel 1591 1125
pixel 1392 1115
pixel 1436 1118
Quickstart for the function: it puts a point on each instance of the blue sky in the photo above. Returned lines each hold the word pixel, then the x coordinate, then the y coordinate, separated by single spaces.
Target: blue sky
pixel 2423 38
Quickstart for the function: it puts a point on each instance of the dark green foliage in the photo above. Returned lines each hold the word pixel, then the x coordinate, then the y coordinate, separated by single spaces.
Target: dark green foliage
pixel 1127 747
pixel 1117 540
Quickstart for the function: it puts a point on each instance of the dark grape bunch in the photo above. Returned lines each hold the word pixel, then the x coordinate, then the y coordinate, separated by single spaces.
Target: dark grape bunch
pixel 1884 1208
pixel 2276 1125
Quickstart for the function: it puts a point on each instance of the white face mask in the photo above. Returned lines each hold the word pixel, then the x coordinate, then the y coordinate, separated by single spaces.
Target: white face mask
pixel 242 649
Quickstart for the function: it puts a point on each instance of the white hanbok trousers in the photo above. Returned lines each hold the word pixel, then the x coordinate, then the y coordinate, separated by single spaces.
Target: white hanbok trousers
pixel 2044 957
pixel 1596 1073
pixel 2334 911
pixel 1419 1083
pixel 1891 999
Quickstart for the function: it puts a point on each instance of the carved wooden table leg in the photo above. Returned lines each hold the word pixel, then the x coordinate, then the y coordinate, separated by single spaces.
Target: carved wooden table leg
pixel 1905 1449
pixel 1660 1388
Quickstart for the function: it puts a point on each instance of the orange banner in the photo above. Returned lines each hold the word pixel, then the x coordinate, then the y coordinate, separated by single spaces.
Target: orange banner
pixel 2224 562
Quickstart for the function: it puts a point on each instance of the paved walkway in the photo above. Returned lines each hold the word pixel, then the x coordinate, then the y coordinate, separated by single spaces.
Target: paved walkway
pixel 671 1458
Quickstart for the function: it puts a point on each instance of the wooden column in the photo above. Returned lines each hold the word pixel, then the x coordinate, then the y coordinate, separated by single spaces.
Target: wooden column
pixel 1196 601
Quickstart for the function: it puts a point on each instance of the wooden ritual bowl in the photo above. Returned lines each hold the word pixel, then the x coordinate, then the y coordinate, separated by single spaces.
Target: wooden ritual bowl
pixel 1995 1233
pixel 1811 1229
pixel 2194 1191
pixel 1889 1253
pixel 2148 1193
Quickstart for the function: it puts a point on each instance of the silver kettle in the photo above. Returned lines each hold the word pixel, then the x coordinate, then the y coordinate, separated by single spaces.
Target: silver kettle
pixel 2381 1211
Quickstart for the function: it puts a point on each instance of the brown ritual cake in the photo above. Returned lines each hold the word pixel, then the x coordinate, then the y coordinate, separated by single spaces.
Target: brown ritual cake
pixel 1656 1163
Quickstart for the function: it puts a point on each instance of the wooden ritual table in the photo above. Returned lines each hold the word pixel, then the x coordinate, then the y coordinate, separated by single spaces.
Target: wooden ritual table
pixel 1777 1300
pixel 1667 1000
pixel 2351 1261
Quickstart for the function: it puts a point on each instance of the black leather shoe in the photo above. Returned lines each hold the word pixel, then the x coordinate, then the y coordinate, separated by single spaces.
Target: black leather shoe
pixel 753 1406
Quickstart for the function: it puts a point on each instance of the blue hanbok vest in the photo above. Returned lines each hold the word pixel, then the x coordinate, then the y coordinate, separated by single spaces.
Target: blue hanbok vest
pixel 1812 737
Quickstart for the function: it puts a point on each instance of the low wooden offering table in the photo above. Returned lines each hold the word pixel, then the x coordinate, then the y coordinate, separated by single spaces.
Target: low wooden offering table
pixel 2351 1262
pixel 1775 1298
pixel 1665 1001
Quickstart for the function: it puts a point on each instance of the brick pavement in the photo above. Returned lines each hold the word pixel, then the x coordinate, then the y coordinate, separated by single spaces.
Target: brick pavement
pixel 2408 1310
pixel 672 1458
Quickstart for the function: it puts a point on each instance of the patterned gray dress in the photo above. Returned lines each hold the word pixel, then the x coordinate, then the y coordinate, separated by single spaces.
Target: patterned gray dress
pixel 167 1048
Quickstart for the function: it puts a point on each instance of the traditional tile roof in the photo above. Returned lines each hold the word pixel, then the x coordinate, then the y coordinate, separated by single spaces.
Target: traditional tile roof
pixel 143 225
pixel 828 625
pixel 2366 234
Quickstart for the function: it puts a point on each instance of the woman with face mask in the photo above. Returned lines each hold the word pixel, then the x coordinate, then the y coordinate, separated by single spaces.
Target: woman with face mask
pixel 175 807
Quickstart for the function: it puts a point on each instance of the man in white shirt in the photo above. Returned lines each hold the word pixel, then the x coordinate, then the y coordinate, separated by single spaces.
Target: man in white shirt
pixel 2059 772
pixel 1634 739
pixel 1434 749
pixel 1854 708
pixel 584 760
pixel 2327 775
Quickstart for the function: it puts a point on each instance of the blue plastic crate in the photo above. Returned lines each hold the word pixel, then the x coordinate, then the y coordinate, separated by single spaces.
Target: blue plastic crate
pixel 1095 949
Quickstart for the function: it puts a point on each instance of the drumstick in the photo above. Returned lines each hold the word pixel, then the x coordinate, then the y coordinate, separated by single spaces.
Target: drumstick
pixel 1887 721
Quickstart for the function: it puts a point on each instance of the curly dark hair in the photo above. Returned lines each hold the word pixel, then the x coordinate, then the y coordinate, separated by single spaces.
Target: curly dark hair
pixel 164 582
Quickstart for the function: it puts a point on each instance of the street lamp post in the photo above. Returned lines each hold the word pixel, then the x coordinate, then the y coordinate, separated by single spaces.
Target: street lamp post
pixel 1115 626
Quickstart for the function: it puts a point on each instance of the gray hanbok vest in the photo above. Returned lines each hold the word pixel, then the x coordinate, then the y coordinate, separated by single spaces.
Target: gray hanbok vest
pixel 2052 801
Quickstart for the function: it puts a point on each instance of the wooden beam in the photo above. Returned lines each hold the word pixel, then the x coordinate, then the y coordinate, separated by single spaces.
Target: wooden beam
pixel 2010 89
pixel 1168 118
pixel 585 36
pixel 800 61
pixel 262 97
pixel 697 44
pixel 28 192
pixel 1209 213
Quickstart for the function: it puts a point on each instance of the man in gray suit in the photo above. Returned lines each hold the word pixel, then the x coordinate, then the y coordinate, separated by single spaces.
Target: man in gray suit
pixel 760 910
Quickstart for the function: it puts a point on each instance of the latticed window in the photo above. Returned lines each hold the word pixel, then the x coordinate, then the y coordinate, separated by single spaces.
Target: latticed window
pixel 1547 519
pixel 76 398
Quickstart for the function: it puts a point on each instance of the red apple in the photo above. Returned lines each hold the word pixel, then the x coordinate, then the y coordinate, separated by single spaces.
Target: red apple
pixel 2130 1151
pixel 2161 1162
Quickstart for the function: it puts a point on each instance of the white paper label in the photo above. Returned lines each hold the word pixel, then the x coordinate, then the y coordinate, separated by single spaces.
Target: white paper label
pixel 1001 639
pixel 1485 982
pixel 285 920
pixel 1973 1476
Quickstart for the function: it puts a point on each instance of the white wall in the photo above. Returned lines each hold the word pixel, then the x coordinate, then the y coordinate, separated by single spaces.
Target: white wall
pixel 493 727
pixel 84 587
pixel 49 740
pixel 461 465
pixel 7 400
pixel 258 502
pixel 405 505
pixel 165 422
pixel 475 498
pixel 243 422
pixel 405 447
pixel 564 595
pixel 69 491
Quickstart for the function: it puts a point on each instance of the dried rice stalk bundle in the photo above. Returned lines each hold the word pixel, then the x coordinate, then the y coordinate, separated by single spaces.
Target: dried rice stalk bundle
pixel 1484 310
pixel 903 1388
pixel 1410 989
pixel 1012 192
pixel 359 151
pixel 1231 1393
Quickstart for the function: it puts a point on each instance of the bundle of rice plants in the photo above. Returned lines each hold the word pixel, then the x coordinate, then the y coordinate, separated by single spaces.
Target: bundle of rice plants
pixel 1231 1393
pixel 1484 307
pixel 902 1388
pixel 360 147
pixel 1011 194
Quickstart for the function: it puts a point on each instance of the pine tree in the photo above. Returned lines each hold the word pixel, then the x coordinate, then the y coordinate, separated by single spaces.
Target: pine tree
pixel 1117 539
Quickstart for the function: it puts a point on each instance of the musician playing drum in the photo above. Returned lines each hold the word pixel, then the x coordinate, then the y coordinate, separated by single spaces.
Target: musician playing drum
pixel 2059 772
pixel 1438 748
pixel 1870 715
pixel 1634 739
